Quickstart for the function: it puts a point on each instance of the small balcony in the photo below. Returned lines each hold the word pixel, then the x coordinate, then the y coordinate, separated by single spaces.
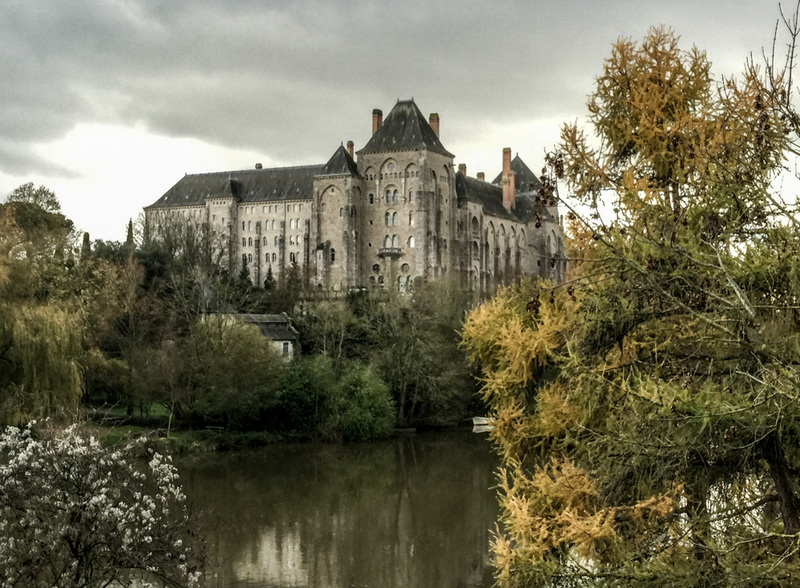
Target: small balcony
pixel 390 252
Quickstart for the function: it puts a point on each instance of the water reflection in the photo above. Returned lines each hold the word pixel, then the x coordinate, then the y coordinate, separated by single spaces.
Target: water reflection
pixel 408 512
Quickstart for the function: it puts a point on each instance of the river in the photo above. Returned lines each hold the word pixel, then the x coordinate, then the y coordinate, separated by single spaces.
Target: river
pixel 410 512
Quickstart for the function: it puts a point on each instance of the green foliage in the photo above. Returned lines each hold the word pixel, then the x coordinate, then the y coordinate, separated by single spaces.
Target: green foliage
pixel 39 349
pixel 647 409
pixel 231 375
pixel 306 386
pixel 360 407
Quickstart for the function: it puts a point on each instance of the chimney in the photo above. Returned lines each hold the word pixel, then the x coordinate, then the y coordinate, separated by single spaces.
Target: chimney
pixel 509 186
pixel 462 167
pixel 434 122
pixel 481 176
pixel 350 148
pixel 377 120
pixel 259 166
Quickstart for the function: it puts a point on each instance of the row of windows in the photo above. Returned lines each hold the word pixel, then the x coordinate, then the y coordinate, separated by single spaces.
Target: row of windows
pixel 272 208
pixel 293 240
pixel 391 219
pixel 391 197
pixel 387 176
pixel 394 241
pixel 294 223
pixel 273 257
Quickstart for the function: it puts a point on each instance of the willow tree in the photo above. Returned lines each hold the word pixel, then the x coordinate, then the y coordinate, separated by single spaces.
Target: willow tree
pixel 647 409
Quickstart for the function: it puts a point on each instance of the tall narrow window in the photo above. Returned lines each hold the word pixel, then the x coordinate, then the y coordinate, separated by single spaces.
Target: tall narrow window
pixel 394 219
pixel 395 241
pixel 372 198
pixel 333 255
pixel 244 242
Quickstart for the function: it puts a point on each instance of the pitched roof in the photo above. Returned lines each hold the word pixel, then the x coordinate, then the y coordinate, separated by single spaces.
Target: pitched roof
pixel 405 129
pixel 526 204
pixel 341 163
pixel 252 185
pixel 524 179
pixel 488 195
pixel 277 327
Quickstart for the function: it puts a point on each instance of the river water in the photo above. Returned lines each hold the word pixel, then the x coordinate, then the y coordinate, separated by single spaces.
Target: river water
pixel 409 512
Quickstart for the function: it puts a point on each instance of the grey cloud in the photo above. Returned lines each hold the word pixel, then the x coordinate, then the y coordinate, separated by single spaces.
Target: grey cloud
pixel 295 78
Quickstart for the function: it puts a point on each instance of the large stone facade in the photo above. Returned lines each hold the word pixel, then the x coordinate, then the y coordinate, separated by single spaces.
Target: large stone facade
pixel 398 212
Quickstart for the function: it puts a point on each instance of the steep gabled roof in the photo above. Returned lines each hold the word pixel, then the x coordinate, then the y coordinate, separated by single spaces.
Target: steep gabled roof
pixel 251 185
pixel 341 163
pixel 524 178
pixel 405 129
pixel 486 194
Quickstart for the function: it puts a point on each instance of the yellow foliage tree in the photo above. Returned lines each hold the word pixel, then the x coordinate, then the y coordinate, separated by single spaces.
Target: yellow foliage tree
pixel 647 409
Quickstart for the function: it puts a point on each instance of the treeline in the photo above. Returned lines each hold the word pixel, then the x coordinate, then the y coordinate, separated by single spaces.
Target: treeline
pixel 145 326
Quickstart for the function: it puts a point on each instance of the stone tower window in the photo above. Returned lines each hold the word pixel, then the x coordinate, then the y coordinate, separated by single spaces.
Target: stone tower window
pixel 333 255
pixel 372 198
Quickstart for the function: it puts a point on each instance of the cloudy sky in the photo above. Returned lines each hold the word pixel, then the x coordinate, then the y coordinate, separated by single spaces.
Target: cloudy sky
pixel 110 102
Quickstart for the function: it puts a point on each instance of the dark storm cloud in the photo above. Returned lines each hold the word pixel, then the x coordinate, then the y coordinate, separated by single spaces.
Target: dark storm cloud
pixel 293 79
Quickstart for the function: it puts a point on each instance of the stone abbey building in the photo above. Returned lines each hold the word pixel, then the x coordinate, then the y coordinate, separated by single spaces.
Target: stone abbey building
pixel 382 217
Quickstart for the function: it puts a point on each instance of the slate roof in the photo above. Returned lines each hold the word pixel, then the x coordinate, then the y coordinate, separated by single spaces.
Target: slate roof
pixel 277 327
pixel 405 128
pixel 523 176
pixel 488 195
pixel 341 163
pixel 252 185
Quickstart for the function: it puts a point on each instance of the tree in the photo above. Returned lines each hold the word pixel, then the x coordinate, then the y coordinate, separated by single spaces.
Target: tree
pixel 647 409
pixel 42 197
pixel 73 514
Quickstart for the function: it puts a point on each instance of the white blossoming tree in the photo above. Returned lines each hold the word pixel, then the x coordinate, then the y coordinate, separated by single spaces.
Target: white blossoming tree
pixel 75 514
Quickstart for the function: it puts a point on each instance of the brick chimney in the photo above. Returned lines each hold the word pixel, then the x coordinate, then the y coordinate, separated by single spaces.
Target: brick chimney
pixel 350 146
pixel 434 122
pixel 509 186
pixel 481 176
pixel 377 120
pixel 462 167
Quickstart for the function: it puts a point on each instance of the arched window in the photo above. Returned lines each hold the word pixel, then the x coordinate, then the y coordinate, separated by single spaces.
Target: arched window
pixel 244 242
pixel 250 242
pixel 372 198
pixel 265 241
pixel 394 219
pixel 411 242
pixel 341 212
pixel 410 219
pixel 266 258
pixel 411 195
pixel 273 224
pixel 243 225
pixel 249 225
pixel 249 258
pixel 388 218
pixel 395 241
pixel 291 239
pixel 387 242
pixel 291 223
pixel 274 258
pixel 291 258
pixel 276 240
pixel 322 207
pixel 388 196
pixel 333 255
